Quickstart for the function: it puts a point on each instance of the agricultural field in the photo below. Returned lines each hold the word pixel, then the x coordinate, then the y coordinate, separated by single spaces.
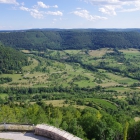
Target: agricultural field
pixel 44 72
pixel 98 77
pixel 83 68
pixel 61 103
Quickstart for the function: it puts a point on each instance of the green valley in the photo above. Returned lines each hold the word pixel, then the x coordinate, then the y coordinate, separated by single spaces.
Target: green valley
pixel 90 92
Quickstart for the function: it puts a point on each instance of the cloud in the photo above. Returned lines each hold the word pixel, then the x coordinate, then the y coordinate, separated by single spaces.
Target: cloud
pixel 57 13
pixel 130 10
pixel 24 8
pixel 111 7
pixel 33 12
pixel 85 14
pixel 135 7
pixel 36 13
pixel 9 2
pixel 55 6
pixel 110 2
pixel 42 5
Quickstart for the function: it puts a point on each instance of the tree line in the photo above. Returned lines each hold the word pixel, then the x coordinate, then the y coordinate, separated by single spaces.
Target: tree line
pixel 88 124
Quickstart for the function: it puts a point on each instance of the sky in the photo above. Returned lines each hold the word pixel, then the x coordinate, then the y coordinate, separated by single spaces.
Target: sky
pixel 69 14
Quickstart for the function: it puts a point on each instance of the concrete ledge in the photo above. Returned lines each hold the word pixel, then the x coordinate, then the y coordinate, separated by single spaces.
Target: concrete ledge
pixel 17 127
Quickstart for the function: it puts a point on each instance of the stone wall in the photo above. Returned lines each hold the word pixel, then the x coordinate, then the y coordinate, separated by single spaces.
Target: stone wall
pixel 54 133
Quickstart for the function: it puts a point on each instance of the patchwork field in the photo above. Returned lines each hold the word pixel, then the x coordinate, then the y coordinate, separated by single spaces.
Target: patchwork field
pixel 44 72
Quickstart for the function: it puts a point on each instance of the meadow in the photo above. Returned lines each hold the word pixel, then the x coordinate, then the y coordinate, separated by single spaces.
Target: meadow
pixel 64 66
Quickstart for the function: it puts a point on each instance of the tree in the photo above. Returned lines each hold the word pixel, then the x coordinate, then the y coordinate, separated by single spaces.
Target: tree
pixel 125 131
pixel 88 122
pixel 7 115
pixel 134 131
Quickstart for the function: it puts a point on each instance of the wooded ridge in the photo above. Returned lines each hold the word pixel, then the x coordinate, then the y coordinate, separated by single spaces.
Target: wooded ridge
pixel 62 39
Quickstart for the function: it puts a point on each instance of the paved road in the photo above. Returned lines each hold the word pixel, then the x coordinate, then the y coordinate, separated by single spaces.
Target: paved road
pixel 21 136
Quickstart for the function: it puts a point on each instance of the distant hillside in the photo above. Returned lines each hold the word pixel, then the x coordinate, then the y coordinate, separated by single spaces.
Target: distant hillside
pixel 11 60
pixel 71 39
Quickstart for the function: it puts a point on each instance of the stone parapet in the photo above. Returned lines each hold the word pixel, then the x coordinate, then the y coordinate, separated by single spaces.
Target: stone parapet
pixel 54 133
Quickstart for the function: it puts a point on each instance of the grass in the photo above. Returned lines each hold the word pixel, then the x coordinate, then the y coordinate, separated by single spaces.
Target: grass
pixel 103 103
pixel 72 51
pixel 99 53
pixel 120 79
pixel 24 80
pixel 109 84
pixel 123 89
pixel 25 51
pixel 32 66
pixel 3 95
pixel 85 83
pixel 60 103
pixel 130 53
pixel 130 50
pixel 13 76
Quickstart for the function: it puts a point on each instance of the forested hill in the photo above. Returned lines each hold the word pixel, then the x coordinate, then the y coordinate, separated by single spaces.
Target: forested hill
pixel 71 39
pixel 11 60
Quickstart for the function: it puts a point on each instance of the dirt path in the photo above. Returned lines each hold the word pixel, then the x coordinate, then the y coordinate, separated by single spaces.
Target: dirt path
pixel 21 136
